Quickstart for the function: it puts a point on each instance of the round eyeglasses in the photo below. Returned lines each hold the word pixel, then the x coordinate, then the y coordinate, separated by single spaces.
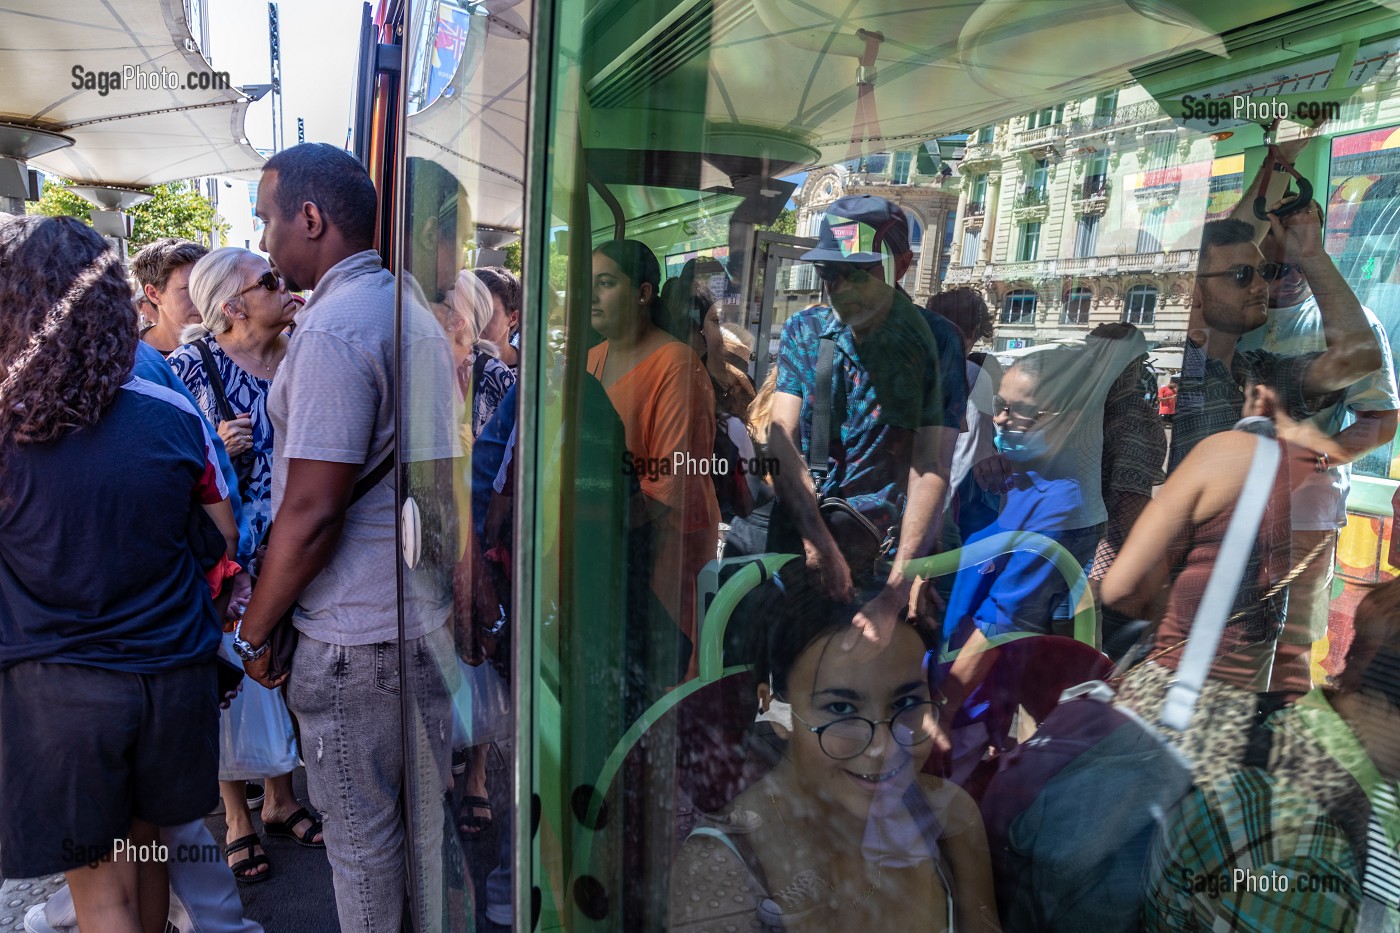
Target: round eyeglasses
pixel 850 736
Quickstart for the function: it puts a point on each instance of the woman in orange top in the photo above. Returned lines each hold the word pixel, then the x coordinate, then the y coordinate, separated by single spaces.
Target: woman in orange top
pixel 663 396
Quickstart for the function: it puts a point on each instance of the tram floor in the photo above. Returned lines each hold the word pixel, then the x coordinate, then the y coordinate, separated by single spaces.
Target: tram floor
pixel 299 895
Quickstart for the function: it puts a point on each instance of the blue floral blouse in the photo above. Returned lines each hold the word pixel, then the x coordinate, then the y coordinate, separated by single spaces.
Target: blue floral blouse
pixel 245 393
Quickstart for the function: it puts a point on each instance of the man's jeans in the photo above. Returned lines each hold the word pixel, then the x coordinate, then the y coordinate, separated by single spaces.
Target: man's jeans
pixel 347 701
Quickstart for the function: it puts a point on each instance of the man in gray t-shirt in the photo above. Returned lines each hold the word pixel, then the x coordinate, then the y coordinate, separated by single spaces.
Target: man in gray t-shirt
pixel 332 407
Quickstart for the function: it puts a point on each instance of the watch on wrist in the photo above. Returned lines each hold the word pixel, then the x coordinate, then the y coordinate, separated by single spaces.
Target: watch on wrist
pixel 244 650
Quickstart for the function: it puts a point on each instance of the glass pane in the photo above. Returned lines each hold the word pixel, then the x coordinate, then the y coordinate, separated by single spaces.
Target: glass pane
pixel 462 206
pixel 741 449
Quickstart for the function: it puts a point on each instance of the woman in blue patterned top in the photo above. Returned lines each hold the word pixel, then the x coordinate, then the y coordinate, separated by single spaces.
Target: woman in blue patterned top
pixel 245 310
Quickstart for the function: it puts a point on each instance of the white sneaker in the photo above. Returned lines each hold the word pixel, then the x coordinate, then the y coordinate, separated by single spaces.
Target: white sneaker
pixel 36 922
pixel 806 892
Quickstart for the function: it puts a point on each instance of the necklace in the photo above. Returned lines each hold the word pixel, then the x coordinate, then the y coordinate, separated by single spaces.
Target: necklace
pixel 242 355
pixel 853 903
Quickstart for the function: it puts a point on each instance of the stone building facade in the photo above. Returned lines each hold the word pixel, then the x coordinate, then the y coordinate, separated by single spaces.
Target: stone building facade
pixel 1086 213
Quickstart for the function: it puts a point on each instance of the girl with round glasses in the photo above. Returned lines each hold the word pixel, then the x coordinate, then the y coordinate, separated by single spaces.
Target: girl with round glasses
pixel 845 832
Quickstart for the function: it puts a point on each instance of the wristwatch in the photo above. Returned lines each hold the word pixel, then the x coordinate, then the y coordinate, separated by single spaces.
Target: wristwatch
pixel 246 651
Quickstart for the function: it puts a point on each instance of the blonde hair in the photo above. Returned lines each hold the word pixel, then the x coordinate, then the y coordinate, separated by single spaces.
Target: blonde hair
pixel 761 408
pixel 214 281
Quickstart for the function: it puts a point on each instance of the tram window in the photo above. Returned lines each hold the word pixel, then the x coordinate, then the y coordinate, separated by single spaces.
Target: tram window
pixel 1363 231
pixel 661 472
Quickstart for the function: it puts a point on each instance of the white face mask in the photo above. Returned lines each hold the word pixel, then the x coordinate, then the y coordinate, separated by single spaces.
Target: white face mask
pixel 779 711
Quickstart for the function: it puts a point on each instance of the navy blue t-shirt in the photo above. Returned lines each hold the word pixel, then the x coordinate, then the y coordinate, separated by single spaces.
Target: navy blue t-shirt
pixel 95 565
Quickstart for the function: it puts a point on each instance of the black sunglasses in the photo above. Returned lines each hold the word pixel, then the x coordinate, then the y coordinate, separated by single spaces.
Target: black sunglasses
pixel 1243 275
pixel 268 280
pixel 832 272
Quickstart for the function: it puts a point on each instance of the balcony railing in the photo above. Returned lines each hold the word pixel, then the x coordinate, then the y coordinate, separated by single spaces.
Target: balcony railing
pixel 1095 186
pixel 975 209
pixel 1127 115
pixel 1031 197
pixel 1181 260
pixel 977 152
pixel 1040 136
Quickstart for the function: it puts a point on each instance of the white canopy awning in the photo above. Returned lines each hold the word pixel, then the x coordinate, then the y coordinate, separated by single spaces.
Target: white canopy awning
pixel 130 136
pixel 476 129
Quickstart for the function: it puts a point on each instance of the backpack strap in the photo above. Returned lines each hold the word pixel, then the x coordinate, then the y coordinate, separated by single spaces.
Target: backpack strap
pixel 1223 587
pixel 819 447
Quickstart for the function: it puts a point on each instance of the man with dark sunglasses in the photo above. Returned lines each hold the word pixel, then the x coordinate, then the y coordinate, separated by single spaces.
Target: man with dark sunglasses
pixel 895 397
pixel 1230 298
pixel 1362 420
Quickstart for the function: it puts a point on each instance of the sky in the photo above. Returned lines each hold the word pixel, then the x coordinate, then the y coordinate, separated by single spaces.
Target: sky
pixel 319 43
pixel 320 39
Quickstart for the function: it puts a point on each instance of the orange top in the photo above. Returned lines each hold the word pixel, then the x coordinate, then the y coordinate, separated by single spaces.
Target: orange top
pixel 667 407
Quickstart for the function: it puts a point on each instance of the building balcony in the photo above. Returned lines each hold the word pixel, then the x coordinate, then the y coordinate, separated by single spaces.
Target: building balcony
pixel 1118 120
pixel 1041 139
pixel 1091 197
pixel 1181 260
pixel 977 156
pixel 1031 204
pixel 961 275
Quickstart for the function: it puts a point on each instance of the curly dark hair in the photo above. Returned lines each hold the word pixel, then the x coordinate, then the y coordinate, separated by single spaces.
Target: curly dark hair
pixel 67 328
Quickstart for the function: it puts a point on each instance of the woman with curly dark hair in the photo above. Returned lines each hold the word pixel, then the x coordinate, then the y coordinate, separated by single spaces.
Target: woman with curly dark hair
pixel 107 628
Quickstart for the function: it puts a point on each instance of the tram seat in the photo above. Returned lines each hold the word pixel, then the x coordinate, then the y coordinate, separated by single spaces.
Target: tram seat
pixel 1027 673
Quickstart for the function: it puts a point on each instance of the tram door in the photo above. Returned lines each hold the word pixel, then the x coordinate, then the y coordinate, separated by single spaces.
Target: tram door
pixel 782 285
pixel 459 171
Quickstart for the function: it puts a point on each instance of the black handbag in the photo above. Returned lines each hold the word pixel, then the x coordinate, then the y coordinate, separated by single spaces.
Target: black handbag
pixel 243 463
pixel 282 640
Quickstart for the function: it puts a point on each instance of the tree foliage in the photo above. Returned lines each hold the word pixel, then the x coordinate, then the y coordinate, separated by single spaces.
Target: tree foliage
pixel 177 209
pixel 785 223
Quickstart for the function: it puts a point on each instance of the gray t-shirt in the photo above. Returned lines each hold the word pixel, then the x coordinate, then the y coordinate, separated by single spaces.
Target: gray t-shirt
pixel 333 400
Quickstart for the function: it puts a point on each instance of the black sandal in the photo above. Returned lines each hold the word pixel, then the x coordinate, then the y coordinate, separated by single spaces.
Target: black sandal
pixel 285 828
pixel 468 823
pixel 252 862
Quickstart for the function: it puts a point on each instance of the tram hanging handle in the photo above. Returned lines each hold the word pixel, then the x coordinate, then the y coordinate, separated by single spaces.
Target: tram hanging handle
pixel 1275 161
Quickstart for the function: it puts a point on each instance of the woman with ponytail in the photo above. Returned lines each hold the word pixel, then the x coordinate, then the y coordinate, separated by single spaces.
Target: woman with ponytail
pixel 107 627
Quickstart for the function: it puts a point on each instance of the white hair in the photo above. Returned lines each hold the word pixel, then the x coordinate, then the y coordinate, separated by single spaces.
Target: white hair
pixel 471 299
pixel 214 281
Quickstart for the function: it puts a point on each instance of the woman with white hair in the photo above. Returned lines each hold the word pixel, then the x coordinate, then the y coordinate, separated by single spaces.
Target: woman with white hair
pixel 228 362
pixel 481 376
pixel 467 315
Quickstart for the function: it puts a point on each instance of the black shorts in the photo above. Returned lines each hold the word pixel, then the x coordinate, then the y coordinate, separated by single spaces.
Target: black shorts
pixel 83 750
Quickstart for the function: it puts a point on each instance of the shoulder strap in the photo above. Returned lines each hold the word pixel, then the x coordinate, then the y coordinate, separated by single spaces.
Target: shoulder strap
pixel 216 381
pixel 478 368
pixel 819 448
pixel 1223 587
pixel 372 478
